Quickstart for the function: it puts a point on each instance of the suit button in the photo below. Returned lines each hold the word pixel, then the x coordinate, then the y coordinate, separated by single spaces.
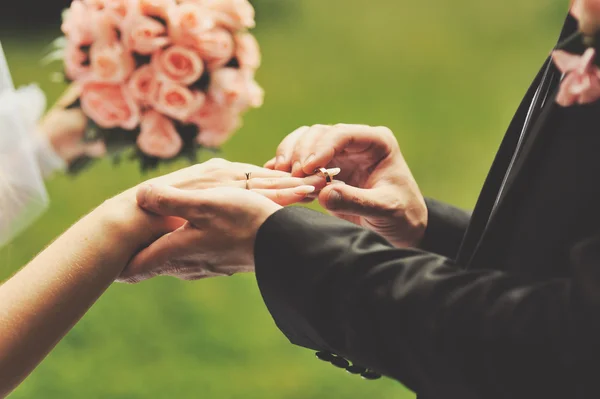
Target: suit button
pixel 325 356
pixel 370 375
pixel 355 369
pixel 340 362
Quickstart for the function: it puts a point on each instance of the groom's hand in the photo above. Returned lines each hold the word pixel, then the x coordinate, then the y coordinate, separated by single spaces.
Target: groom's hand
pixel 380 192
pixel 217 239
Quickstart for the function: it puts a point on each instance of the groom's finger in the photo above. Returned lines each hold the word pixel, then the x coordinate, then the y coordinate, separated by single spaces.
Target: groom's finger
pixel 340 138
pixel 317 180
pixel 161 257
pixel 170 201
pixel 270 164
pixel 304 148
pixel 283 159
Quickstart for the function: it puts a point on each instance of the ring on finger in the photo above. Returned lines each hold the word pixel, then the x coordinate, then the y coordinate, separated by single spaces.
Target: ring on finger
pixel 248 174
pixel 325 173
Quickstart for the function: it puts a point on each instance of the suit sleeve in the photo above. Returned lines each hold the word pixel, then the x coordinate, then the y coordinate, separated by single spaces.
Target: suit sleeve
pixel 446 227
pixel 413 316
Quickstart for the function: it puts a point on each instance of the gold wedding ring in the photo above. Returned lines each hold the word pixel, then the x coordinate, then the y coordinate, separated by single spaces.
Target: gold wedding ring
pixel 248 174
pixel 325 174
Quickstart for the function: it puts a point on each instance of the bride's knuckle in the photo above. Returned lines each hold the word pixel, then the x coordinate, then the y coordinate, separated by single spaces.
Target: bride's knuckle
pixel 278 196
pixel 216 162
pixel 271 182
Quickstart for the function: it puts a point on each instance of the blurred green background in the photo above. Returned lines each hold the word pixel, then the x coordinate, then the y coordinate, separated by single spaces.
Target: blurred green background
pixel 444 75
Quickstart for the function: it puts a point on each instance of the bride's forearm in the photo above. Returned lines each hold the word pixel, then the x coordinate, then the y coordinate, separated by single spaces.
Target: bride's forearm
pixel 41 303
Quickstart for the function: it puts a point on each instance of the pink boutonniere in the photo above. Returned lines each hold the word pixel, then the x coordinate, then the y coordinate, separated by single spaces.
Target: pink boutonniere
pixel 581 80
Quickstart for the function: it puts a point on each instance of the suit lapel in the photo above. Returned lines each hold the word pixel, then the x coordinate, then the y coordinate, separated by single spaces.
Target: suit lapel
pixel 503 174
pixel 492 184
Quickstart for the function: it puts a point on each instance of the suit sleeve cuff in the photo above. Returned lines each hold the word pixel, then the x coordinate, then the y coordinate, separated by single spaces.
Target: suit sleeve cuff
pixel 446 227
pixel 283 247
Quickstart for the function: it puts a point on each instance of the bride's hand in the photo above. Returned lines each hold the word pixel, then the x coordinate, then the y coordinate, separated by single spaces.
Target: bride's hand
pixel 276 185
pixel 64 129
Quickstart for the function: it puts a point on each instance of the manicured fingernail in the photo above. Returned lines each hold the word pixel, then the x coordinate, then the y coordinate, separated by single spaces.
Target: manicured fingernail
pixel 334 171
pixel 304 190
pixel 334 199
pixel 309 159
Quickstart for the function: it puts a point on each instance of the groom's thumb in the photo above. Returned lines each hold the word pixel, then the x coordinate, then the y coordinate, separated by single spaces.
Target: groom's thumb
pixel 168 201
pixel 349 200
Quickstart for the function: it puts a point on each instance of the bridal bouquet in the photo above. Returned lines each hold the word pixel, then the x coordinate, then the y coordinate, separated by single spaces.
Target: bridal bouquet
pixel 161 77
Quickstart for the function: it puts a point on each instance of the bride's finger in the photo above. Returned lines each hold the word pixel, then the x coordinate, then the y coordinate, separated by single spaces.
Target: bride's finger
pixel 317 180
pixel 286 196
pixel 68 97
pixel 240 170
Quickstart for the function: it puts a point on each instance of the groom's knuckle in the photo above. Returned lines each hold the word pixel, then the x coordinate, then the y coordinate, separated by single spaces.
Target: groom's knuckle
pixel 192 277
pixel 383 131
pixel 161 201
pixel 339 127
pixel 129 279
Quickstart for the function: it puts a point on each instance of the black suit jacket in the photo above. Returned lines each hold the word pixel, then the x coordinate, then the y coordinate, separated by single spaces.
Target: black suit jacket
pixel 494 305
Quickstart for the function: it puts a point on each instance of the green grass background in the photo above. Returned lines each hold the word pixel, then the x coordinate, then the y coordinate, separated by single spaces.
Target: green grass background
pixel 444 75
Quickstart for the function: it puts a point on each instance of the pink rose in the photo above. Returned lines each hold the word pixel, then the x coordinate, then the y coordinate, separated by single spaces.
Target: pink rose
pixel 247 51
pixel 109 105
pixel 157 8
pixel 77 23
pixel 77 65
pixel 111 63
pixel 178 64
pixel 177 101
pixel 158 136
pixel 95 4
pixel 104 27
pixel 215 47
pixel 116 10
pixel 142 34
pixel 216 124
pixel 232 14
pixel 143 85
pixel 188 20
pixel 229 88
pixel 581 85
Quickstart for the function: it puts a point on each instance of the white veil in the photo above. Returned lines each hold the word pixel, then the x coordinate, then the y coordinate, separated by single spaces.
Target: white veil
pixel 23 196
